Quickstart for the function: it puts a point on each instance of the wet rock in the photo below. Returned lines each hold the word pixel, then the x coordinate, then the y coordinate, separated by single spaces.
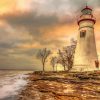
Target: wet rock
pixel 62 86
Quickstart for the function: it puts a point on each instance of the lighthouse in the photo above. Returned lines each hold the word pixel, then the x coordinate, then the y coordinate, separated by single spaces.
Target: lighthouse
pixel 85 57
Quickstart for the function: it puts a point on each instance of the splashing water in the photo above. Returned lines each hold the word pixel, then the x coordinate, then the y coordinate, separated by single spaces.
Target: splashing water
pixel 11 83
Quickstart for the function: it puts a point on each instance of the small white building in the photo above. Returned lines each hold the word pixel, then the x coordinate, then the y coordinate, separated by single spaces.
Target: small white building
pixel 86 58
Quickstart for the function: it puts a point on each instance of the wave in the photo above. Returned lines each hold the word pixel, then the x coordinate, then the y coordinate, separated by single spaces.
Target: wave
pixel 11 83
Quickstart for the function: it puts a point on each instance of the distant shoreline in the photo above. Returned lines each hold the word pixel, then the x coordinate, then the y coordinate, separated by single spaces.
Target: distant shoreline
pixel 16 69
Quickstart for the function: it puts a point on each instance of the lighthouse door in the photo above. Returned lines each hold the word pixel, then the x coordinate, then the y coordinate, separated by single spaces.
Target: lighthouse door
pixel 97 64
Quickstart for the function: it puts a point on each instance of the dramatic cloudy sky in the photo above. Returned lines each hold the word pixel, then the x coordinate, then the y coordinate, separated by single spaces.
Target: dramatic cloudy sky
pixel 28 25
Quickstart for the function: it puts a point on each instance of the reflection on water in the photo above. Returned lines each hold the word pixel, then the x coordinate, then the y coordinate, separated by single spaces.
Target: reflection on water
pixel 11 82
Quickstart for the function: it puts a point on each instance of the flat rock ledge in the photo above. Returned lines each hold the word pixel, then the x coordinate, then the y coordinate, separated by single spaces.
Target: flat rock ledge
pixel 62 86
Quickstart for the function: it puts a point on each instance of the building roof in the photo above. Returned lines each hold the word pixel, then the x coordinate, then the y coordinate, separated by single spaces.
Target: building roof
pixel 87 8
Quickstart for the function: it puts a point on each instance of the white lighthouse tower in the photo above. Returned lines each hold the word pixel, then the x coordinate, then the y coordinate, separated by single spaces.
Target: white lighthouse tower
pixel 85 58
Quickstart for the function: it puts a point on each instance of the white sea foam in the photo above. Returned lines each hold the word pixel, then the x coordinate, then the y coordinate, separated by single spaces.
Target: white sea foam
pixel 10 84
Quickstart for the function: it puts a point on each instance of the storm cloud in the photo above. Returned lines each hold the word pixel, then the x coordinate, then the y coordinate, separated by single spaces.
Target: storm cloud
pixel 30 25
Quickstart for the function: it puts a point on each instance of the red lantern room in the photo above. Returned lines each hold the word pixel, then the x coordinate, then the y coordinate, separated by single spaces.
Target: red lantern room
pixel 86 15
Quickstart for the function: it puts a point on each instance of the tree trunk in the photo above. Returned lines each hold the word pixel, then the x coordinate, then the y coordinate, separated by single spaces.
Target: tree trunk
pixel 69 68
pixel 43 67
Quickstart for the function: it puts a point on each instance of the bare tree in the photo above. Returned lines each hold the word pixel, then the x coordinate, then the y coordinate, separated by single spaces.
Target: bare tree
pixel 43 55
pixel 66 56
pixel 69 56
pixel 61 59
pixel 53 62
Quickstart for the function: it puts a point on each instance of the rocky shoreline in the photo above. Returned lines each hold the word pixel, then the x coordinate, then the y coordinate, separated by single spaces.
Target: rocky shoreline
pixel 62 86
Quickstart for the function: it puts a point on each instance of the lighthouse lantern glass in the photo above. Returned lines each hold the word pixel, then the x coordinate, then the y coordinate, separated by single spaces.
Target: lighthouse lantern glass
pixel 87 11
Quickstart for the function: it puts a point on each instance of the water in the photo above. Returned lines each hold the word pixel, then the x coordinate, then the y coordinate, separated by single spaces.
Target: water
pixel 11 83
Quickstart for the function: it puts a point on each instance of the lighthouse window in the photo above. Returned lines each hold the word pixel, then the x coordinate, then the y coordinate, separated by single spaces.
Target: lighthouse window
pixel 82 34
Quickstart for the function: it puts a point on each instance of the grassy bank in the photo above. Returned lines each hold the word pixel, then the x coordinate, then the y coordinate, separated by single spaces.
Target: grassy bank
pixel 62 86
